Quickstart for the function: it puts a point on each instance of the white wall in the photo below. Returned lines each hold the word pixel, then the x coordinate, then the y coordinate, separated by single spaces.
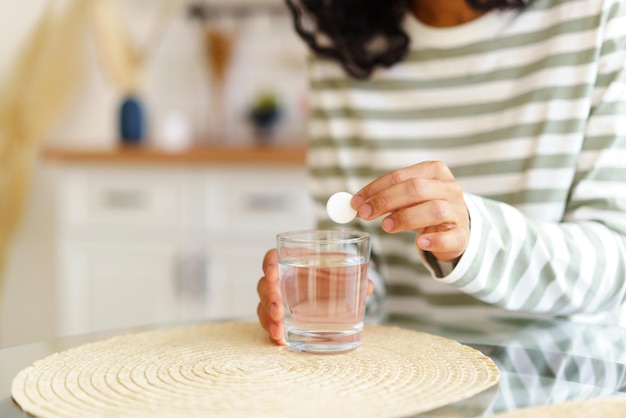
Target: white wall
pixel 268 55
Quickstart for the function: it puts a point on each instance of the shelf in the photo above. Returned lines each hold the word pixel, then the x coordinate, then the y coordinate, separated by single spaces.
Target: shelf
pixel 289 155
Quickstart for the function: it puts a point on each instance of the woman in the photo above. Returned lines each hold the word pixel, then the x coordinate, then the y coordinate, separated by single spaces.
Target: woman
pixel 495 130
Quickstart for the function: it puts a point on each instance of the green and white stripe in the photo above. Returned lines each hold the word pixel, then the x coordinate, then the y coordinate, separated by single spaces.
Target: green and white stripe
pixel 528 109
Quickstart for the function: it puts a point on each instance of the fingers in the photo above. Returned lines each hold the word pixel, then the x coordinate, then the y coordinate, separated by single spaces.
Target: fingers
pixel 269 297
pixel 438 214
pixel 443 227
pixel 432 170
pixel 270 265
pixel 268 288
pixel 424 198
pixel 270 308
pixel 410 192
pixel 446 245
pixel 273 328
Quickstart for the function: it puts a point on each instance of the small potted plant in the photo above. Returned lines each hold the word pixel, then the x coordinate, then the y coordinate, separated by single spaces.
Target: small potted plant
pixel 264 113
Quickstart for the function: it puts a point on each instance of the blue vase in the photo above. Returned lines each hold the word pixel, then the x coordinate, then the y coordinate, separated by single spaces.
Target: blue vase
pixel 131 121
pixel 264 122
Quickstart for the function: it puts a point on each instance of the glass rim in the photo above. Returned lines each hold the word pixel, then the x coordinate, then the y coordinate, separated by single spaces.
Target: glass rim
pixel 352 236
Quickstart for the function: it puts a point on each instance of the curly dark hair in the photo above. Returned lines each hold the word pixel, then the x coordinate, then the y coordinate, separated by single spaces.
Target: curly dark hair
pixel 363 34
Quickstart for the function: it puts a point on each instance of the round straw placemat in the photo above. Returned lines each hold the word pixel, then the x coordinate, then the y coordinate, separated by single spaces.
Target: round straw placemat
pixel 232 370
pixel 587 408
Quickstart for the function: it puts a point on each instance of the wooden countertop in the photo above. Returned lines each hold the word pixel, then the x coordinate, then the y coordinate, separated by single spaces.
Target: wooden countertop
pixel 254 154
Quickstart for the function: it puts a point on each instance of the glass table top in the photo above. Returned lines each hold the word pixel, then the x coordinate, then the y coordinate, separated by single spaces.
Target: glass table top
pixel 542 361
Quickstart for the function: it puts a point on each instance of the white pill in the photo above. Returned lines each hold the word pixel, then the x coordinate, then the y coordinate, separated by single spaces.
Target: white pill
pixel 339 209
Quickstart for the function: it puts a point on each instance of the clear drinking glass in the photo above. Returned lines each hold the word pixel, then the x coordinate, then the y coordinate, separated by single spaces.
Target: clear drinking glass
pixel 323 282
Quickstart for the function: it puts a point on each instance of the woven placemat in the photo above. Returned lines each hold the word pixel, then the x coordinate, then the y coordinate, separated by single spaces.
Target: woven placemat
pixel 587 408
pixel 232 370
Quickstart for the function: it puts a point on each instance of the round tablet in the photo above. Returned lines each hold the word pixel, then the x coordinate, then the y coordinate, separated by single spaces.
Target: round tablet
pixel 339 209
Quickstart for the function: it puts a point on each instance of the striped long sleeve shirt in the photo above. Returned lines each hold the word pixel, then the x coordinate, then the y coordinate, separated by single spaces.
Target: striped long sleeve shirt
pixel 528 109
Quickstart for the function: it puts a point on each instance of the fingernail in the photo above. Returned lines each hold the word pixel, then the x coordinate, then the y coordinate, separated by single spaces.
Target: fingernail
pixel 423 242
pixel 388 224
pixel 357 201
pixel 365 211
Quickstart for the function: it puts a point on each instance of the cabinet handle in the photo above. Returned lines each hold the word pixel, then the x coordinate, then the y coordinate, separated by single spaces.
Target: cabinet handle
pixel 263 202
pixel 125 199
pixel 190 276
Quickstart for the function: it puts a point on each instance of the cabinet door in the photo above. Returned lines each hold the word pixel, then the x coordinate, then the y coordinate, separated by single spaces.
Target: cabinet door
pixel 234 274
pixel 123 232
pixel 261 199
pixel 122 196
pixel 105 286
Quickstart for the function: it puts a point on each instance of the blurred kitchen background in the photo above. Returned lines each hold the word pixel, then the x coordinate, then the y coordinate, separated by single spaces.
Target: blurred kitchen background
pixel 157 146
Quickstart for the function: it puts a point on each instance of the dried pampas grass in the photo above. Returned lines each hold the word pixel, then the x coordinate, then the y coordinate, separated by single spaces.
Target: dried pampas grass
pixel 40 86
pixel 123 59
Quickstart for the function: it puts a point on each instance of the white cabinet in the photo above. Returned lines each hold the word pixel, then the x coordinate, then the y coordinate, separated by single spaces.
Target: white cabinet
pixel 140 244
pixel 110 285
